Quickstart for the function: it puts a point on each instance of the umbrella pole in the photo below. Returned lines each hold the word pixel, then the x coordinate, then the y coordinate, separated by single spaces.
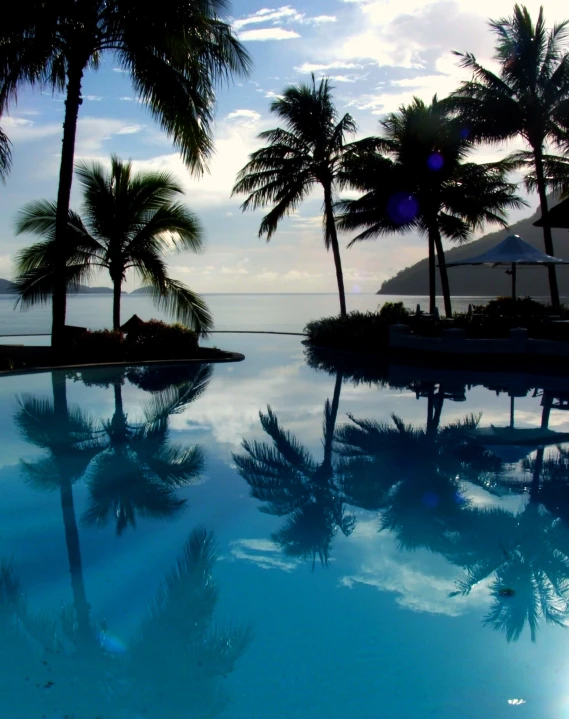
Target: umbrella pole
pixel 513 281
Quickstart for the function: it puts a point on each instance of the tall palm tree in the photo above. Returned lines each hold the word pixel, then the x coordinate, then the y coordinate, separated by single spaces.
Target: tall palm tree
pixel 415 177
pixel 306 152
pixel 129 222
pixel 5 155
pixel 69 439
pixel 175 54
pixel 139 470
pixel 528 97
pixel 291 482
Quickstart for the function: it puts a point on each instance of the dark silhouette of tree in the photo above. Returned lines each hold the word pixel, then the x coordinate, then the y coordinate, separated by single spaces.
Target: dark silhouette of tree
pixel 528 98
pixel 416 177
pixel 128 222
pixel 175 53
pixel 308 151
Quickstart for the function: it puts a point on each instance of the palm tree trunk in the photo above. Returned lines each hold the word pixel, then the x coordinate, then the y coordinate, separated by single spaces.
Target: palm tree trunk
pixel 69 518
pixel 331 427
pixel 72 104
pixel 547 235
pixel 432 275
pixel 332 236
pixel 117 284
pixel 443 272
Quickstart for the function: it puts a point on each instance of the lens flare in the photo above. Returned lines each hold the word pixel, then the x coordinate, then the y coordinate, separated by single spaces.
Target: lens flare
pixel 435 162
pixel 111 643
pixel 402 208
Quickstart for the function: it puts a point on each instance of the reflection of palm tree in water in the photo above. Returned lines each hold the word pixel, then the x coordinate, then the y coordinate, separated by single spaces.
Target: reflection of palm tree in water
pixel 291 482
pixel 412 476
pixel 139 469
pixel 68 437
pixel 530 571
pixel 173 668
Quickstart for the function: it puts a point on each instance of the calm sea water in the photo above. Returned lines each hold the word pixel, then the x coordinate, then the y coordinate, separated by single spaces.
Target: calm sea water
pixel 263 539
pixel 285 312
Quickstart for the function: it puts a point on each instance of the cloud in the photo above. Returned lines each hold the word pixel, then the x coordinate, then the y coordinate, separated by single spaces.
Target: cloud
pixel 276 33
pixel 130 129
pixel 93 98
pixel 309 67
pixel 245 117
pixel 321 19
pixel 276 16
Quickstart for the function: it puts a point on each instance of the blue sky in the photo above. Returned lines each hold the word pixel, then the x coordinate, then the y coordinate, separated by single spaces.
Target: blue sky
pixel 378 53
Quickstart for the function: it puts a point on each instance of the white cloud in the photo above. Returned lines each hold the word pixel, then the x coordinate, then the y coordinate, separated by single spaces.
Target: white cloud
pixel 276 16
pixel 276 33
pixel 130 129
pixel 93 98
pixel 321 19
pixel 309 67
pixel 263 553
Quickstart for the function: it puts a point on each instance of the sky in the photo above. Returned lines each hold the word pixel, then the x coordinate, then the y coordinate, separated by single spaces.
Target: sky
pixel 378 55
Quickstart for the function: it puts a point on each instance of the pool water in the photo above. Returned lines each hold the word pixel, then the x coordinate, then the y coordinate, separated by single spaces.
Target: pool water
pixel 274 538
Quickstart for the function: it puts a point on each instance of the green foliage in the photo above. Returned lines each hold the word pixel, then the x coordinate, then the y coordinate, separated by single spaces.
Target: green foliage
pixel 98 346
pixel 394 312
pixel 158 340
pixel 357 331
pixel 129 221
pixel 510 307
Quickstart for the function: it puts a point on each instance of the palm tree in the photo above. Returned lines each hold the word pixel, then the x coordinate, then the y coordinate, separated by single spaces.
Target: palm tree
pixel 291 482
pixel 415 177
pixel 69 438
pixel 5 155
pixel 308 151
pixel 130 221
pixel 139 470
pixel 528 97
pixel 175 53
pixel 195 651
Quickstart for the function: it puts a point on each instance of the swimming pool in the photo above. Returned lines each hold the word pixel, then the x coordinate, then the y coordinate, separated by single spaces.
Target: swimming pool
pixel 263 539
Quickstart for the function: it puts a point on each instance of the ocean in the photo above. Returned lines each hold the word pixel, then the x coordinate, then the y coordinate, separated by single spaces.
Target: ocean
pixel 231 312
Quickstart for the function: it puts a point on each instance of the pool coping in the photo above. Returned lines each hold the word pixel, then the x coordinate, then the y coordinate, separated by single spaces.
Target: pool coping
pixel 232 357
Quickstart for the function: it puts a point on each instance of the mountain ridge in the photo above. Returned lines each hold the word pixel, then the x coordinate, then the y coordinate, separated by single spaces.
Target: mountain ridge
pixel 482 281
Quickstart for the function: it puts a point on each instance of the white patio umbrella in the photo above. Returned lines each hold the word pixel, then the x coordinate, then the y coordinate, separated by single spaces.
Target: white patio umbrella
pixel 512 251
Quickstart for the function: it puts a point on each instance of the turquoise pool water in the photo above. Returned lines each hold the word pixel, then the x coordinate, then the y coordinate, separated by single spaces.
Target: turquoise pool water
pixel 369 547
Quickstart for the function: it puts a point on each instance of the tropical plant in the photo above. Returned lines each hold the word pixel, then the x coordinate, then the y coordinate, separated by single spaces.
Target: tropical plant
pixel 175 54
pixel 129 222
pixel 291 482
pixel 5 155
pixel 138 470
pixel 528 98
pixel 306 152
pixel 415 177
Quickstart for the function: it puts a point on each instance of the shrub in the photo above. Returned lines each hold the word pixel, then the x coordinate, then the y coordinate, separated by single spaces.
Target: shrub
pixel 155 340
pixel 97 346
pixel 394 313
pixel 509 307
pixel 359 331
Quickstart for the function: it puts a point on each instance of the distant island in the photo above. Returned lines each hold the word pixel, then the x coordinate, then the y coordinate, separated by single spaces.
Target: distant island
pixel 485 281
pixel 7 288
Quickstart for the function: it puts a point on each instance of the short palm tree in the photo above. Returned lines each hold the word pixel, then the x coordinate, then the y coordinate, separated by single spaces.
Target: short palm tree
pixel 175 53
pixel 129 222
pixel 528 97
pixel 415 177
pixel 306 152
pixel 5 155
